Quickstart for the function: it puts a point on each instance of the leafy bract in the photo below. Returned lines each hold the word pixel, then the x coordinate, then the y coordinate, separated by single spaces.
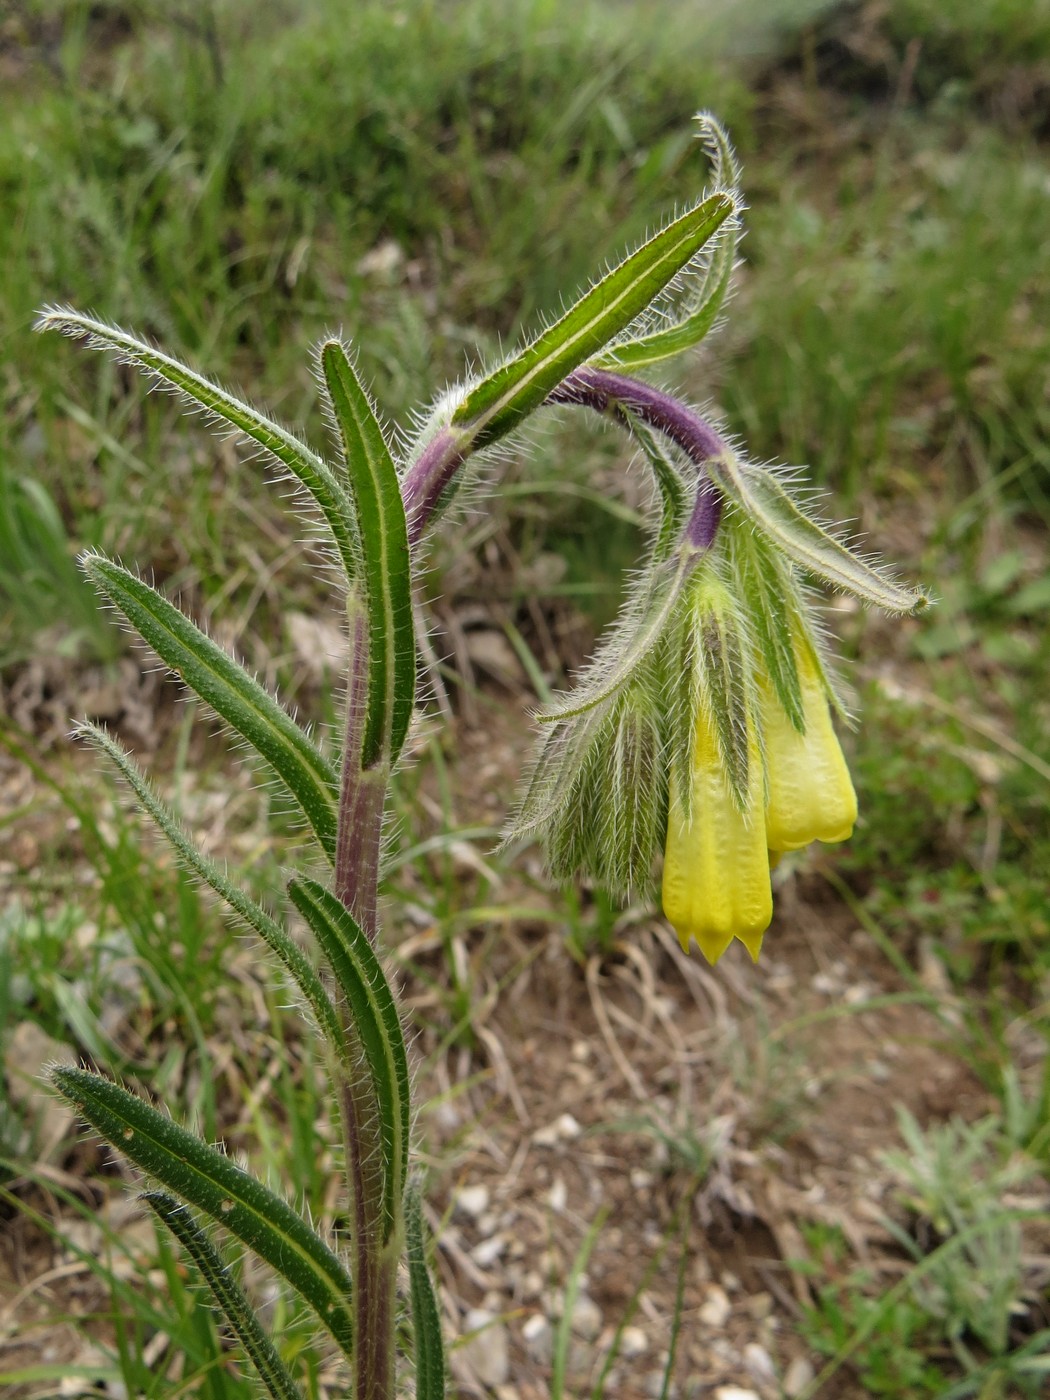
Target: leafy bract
pixel 758 493
pixel 504 398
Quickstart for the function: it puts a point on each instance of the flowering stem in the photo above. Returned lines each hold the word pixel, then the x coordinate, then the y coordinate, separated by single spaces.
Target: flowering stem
pixel 618 395
pixel 361 799
pixel 429 477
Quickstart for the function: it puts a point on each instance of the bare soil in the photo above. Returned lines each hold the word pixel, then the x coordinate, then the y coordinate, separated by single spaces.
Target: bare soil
pixel 738 1110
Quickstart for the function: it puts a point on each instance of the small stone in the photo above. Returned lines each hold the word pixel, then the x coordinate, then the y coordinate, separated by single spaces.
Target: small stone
pixel 760 1364
pixel 488 1251
pixel 559 1195
pixel 715 1310
pixel 798 1377
pixel 633 1342
pixel 760 1305
pixel 471 1201
pixel 492 653
pixel 539 1339
pixel 486 1352
pixel 563 1129
pixel 586 1318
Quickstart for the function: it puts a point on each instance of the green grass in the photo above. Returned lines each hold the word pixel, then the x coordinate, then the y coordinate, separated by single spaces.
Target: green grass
pixel 222 190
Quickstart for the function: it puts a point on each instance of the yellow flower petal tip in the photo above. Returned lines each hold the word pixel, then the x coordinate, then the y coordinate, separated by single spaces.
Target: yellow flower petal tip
pixel 752 941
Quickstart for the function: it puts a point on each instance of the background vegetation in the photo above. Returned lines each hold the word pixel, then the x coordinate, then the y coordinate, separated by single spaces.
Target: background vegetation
pixel 235 179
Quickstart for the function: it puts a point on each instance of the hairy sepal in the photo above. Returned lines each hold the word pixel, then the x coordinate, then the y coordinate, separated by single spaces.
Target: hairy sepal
pixel 713 672
pixel 775 609
pixel 643 623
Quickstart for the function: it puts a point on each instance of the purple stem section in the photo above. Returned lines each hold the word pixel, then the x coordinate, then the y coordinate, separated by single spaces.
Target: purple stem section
pixel 617 394
pixel 361 800
pixel 429 476
pixel 362 793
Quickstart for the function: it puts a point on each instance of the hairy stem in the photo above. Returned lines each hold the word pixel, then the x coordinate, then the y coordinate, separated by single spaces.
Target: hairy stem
pixel 619 395
pixel 361 801
pixel 431 475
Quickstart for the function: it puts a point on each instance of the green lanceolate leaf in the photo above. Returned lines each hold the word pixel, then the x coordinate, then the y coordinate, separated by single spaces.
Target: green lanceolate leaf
pixel 757 492
pixel 385 559
pixel 426 1319
pixel 289 952
pixel 228 688
pixel 375 1022
pixel 199 1174
pixel 277 442
pixel 695 320
pixel 229 1297
pixel 508 395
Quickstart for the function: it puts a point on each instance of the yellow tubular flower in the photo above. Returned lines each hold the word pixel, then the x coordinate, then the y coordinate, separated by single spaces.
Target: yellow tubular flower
pixel 716 867
pixel 809 793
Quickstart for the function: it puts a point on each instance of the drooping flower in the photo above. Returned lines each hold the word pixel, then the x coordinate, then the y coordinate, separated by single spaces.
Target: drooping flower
pixel 703 726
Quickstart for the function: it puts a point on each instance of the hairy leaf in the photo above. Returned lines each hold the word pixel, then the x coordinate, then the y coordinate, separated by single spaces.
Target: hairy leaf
pixel 229 689
pixel 208 1180
pixel 282 446
pixel 229 1296
pixel 375 1021
pixel 289 952
pixel 508 395
pixel 426 1319
pixel 386 566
